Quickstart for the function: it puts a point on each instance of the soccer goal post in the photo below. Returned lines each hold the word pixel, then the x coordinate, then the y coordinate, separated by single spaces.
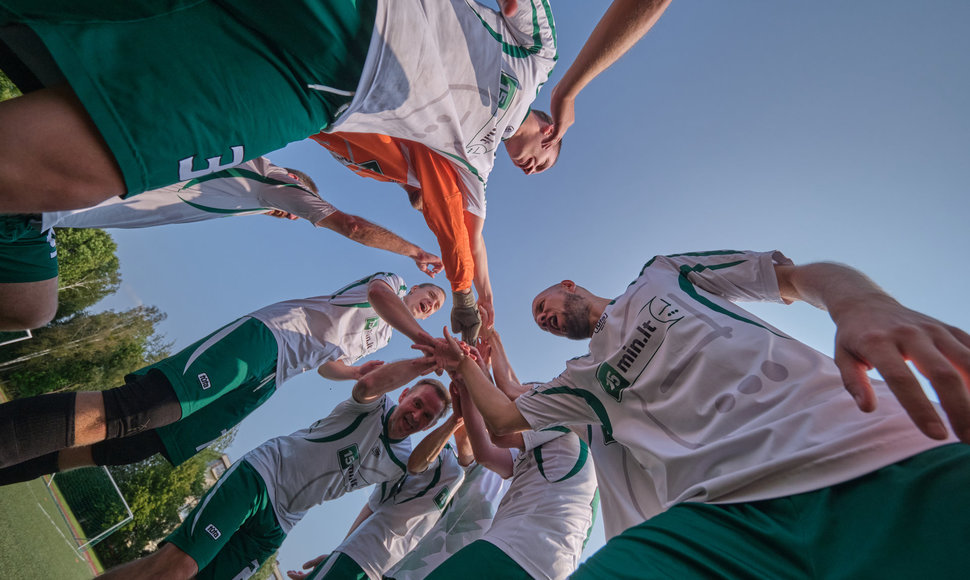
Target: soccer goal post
pixel 90 502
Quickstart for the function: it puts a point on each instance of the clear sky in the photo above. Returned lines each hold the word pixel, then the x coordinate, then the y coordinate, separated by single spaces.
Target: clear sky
pixel 829 131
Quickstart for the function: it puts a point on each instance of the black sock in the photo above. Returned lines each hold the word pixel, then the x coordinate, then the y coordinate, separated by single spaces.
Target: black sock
pixel 145 402
pixel 127 449
pixel 35 426
pixel 30 469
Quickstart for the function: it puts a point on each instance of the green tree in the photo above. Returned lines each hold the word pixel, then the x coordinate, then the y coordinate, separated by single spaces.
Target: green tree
pixel 89 269
pixel 85 352
pixel 7 89
pixel 155 492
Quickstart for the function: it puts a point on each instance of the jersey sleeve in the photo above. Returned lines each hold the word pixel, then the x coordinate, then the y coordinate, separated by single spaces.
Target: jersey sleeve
pixel 280 191
pixel 738 276
pixel 443 210
pixel 534 30
pixel 557 403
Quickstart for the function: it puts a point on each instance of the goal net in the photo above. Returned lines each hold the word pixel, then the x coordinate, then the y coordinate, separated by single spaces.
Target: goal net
pixel 90 502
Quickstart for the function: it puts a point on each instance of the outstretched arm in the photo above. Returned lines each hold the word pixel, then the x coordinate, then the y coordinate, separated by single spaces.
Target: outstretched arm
pixel 491 456
pixel 390 376
pixel 483 285
pixel 430 447
pixel 505 378
pixel 625 22
pixel 875 331
pixel 338 370
pixel 392 310
pixel 370 234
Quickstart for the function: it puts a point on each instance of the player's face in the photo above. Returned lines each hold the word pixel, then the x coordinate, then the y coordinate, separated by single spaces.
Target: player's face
pixel 423 301
pixel 529 156
pixel 417 410
pixel 562 313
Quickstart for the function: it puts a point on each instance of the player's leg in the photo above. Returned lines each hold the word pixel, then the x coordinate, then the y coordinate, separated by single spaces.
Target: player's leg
pixel 111 452
pixel 36 426
pixel 28 273
pixel 338 566
pixel 52 156
pixel 168 562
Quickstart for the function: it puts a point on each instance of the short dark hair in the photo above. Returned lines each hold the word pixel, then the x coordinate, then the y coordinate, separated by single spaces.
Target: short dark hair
pixel 306 179
pixel 439 388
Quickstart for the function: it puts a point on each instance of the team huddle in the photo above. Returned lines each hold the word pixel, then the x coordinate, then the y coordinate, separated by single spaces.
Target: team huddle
pixel 710 443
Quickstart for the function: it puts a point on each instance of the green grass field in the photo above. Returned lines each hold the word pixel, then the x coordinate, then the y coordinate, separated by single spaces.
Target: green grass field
pixel 35 541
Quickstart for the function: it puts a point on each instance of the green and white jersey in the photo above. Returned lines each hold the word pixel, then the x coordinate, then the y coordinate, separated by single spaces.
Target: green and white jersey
pixel 342 325
pixel 715 404
pixel 626 490
pixel 253 187
pixel 546 515
pixel 467 519
pixel 455 76
pixel 348 449
pixel 403 513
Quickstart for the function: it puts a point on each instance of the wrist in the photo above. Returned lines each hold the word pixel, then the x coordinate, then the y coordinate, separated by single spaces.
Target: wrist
pixel 463 298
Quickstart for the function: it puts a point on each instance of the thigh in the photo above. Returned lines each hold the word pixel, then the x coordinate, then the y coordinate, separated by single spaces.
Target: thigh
pixel 28 274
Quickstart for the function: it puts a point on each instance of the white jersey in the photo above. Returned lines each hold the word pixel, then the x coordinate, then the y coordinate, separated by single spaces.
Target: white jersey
pixel 455 76
pixel 343 325
pixel 348 449
pixel 253 187
pixel 546 516
pixel 715 404
pixel 403 515
pixel 467 518
pixel 623 485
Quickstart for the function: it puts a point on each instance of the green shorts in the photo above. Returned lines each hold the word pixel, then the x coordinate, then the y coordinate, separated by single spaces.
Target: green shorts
pixel 480 560
pixel 183 88
pixel 26 254
pixel 233 528
pixel 906 520
pixel 218 380
pixel 338 566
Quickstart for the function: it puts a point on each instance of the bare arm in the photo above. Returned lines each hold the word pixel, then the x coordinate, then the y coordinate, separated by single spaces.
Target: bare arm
pixel 393 311
pixel 390 376
pixel 505 378
pixel 625 23
pixel 475 225
pixel 489 455
pixel 338 370
pixel 875 331
pixel 430 447
pixel 370 234
pixel 464 447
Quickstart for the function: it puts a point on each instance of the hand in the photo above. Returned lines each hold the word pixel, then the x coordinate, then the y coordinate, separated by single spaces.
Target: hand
pixel 428 263
pixel 882 333
pixel 563 111
pixel 307 566
pixel 508 7
pixel 486 313
pixel 455 399
pixel 464 316
pixel 367 367
pixel 485 347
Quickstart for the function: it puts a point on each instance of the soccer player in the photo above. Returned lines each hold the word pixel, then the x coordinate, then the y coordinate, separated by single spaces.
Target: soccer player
pixel 246 515
pixel 753 441
pixel 181 404
pixel 451 74
pixel 545 517
pixel 28 272
pixel 396 517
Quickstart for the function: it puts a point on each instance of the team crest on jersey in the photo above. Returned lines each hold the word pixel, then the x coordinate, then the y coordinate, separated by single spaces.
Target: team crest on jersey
pixel 213 531
pixel 632 358
pixel 204 381
pixel 348 456
pixel 441 500
pixel 372 322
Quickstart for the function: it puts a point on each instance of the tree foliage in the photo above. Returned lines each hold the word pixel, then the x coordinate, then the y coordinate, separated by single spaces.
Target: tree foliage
pixel 89 269
pixel 7 89
pixel 155 492
pixel 85 352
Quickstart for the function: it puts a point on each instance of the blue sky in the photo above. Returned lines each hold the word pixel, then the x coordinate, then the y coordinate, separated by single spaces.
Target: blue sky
pixel 829 131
